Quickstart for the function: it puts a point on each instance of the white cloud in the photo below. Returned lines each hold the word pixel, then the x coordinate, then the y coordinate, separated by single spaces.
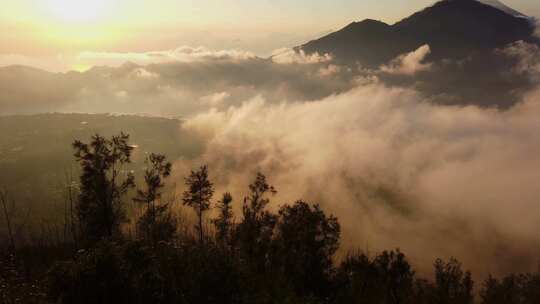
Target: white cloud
pixel 180 54
pixel 144 73
pixel 290 56
pixel 215 99
pixel 409 64
pixel 329 70
pixel 397 171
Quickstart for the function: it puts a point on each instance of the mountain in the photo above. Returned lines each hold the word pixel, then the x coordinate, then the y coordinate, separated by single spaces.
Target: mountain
pixel 452 28
pixel 503 7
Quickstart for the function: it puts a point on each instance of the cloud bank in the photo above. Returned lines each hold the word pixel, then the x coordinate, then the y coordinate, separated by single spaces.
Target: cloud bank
pixel 179 82
pixel 397 169
pixel 436 181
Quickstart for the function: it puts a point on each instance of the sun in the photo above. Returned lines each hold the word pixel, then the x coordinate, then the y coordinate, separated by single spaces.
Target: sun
pixel 76 11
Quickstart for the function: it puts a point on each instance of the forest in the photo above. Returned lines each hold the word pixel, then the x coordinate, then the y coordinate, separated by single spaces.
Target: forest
pixel 103 251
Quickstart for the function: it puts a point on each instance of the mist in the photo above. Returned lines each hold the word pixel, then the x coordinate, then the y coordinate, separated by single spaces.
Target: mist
pixel 398 170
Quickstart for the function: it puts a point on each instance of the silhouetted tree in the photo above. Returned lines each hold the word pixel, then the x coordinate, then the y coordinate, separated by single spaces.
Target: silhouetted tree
pixel 156 224
pixel 396 274
pixel 254 233
pixel 7 217
pixel 452 284
pixel 103 183
pixel 512 289
pixel 199 195
pixel 388 278
pixel 306 240
pixel 506 291
pixel 224 221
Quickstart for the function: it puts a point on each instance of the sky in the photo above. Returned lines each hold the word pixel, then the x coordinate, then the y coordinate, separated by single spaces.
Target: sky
pixel 62 27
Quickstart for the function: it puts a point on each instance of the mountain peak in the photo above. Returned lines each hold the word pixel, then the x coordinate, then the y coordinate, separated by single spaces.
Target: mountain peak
pixel 503 7
pixel 452 28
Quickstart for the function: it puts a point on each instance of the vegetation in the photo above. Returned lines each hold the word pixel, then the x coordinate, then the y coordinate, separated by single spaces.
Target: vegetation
pixel 288 256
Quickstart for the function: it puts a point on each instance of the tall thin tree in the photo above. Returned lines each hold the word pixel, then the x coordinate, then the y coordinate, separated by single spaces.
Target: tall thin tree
pixel 7 216
pixel 199 195
pixel 157 170
pixel 223 222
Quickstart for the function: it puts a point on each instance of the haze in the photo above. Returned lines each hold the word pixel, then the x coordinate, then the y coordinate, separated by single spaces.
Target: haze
pixel 50 29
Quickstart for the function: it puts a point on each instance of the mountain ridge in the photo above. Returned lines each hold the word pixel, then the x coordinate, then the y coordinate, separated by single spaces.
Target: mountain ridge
pixel 452 28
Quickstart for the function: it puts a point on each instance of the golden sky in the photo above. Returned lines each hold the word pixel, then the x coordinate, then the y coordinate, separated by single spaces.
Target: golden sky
pixel 65 27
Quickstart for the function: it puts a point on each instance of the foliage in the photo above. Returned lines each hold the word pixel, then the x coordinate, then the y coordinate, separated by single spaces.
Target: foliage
pixel 452 284
pixel 387 278
pixel 224 222
pixel 156 224
pixel 254 234
pixel 103 184
pixel 512 289
pixel 198 196
pixel 305 242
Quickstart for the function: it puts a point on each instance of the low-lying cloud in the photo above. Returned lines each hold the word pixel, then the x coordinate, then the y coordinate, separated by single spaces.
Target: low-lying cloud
pixel 181 82
pixel 436 181
pixel 397 169
pixel 175 83
pixel 409 64
pixel 181 54
pixel 288 56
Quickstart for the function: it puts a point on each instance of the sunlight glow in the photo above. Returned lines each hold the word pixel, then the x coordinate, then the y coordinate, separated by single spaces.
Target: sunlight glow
pixel 76 11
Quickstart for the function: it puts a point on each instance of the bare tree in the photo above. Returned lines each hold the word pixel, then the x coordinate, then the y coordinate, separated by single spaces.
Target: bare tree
pixel 69 214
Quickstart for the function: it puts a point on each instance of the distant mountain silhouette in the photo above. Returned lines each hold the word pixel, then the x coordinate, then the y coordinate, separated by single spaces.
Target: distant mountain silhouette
pixel 452 28
pixel 503 7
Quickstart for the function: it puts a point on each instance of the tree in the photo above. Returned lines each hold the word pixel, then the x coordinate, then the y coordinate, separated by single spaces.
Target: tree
pixel 103 184
pixel 156 223
pixel 452 284
pixel 199 195
pixel 223 222
pixel 7 218
pixel 396 274
pixel 506 291
pixel 387 278
pixel 512 289
pixel 306 241
pixel 255 232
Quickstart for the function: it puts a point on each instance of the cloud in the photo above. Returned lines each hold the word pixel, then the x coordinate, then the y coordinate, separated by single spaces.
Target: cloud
pixel 143 73
pixel 409 64
pixel 178 83
pixel 398 171
pixel 290 56
pixel 215 99
pixel 49 63
pixel 180 54
pixel 329 70
pixel 527 56
pixel 88 59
